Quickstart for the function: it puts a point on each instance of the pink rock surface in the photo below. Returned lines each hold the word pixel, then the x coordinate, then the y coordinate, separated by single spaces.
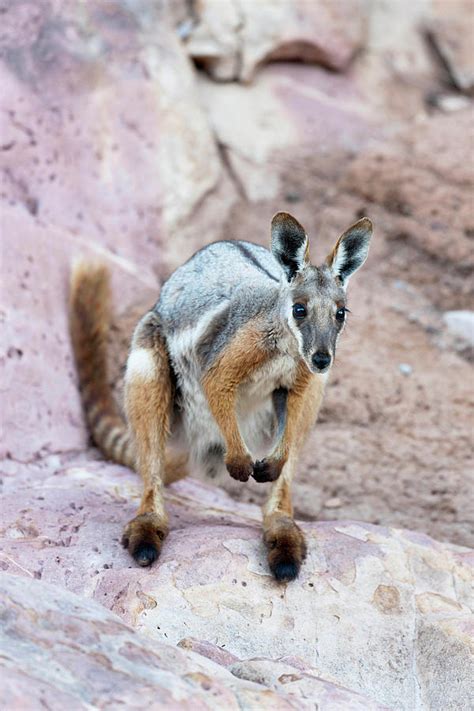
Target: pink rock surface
pixel 231 39
pixel 61 651
pixel 41 408
pixel 450 31
pixel 423 177
pixel 363 588
pixel 288 113
pixel 92 92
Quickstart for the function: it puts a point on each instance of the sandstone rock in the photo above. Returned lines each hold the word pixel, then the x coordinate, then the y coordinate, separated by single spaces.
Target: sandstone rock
pixel 423 179
pixel 290 114
pixel 450 102
pixel 77 655
pixel 397 69
pixel 41 407
pixel 95 128
pixel 301 683
pixel 231 39
pixel 461 325
pixel 450 31
pixel 368 609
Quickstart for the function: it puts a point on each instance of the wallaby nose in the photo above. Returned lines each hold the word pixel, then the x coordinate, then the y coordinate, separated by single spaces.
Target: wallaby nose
pixel 321 360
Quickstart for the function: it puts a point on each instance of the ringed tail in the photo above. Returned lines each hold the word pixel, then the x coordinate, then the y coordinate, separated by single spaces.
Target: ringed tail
pixel 89 318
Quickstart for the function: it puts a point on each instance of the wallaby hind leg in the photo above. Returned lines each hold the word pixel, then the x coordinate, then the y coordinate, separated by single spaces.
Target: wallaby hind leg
pixel 284 540
pixel 148 402
pixel 176 467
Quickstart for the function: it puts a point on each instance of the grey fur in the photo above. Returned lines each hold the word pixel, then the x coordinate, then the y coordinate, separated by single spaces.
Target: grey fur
pixel 208 299
pixel 322 295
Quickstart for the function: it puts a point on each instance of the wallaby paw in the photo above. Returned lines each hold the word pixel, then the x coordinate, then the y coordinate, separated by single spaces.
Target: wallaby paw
pixel 143 538
pixel 286 548
pixel 240 468
pixel 267 470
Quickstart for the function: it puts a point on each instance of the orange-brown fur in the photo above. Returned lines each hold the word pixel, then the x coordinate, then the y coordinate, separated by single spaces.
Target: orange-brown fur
pixel 148 407
pixel 241 357
pixel 89 325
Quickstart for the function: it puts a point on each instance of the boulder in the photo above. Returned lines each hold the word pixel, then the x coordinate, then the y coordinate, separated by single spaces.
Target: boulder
pixel 78 655
pixel 461 325
pixel 231 39
pixel 41 406
pixel 370 606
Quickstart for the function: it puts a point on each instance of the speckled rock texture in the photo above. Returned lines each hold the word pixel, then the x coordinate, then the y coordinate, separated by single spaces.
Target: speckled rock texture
pixel 383 612
pixel 62 651
pixel 90 92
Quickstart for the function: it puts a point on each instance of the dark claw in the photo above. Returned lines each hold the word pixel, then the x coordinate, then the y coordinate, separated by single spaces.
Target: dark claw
pixel 286 550
pixel 284 571
pixel 143 538
pixel 145 555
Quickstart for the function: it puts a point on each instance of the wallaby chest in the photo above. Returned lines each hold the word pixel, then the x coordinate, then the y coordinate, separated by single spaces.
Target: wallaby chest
pixel 278 372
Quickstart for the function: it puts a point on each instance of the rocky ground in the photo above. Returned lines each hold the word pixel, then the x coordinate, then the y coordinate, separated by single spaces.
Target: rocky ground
pixel 378 618
pixel 138 133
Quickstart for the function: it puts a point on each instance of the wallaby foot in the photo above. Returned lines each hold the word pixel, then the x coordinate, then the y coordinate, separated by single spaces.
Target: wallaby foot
pixel 143 538
pixel 286 548
pixel 240 468
pixel 267 470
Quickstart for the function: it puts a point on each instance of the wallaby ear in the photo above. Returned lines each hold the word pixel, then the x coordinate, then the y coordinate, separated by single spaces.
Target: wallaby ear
pixel 290 245
pixel 351 250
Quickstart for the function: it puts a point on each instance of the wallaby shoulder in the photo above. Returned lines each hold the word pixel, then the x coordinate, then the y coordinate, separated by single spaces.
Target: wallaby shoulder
pixel 224 281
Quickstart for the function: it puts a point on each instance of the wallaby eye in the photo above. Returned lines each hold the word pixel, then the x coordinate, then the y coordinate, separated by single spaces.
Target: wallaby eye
pixel 299 311
pixel 341 314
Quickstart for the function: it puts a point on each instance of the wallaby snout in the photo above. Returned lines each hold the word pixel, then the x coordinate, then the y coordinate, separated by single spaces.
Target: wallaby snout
pixel 321 361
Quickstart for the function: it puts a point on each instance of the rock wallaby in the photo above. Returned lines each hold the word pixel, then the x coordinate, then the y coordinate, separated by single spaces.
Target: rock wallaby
pixel 233 357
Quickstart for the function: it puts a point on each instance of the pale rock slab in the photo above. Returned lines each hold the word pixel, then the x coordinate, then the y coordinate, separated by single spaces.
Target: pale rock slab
pixel 290 115
pixel 62 651
pixel 231 39
pixel 370 606
pixel 461 325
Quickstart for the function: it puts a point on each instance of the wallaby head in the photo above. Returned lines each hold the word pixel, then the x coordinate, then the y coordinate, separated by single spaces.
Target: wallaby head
pixel 316 296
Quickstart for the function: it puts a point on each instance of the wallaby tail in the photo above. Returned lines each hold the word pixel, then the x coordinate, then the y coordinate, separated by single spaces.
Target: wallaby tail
pixel 89 323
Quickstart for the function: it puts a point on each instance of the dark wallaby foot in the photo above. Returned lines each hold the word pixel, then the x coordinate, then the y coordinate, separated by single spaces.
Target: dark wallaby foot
pixel 267 470
pixel 240 468
pixel 286 548
pixel 143 538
